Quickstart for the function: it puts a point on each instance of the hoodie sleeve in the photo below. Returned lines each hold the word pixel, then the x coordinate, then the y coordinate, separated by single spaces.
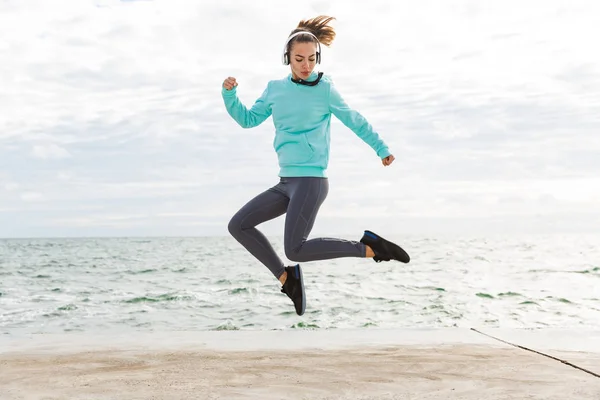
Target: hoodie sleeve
pixel 356 122
pixel 260 110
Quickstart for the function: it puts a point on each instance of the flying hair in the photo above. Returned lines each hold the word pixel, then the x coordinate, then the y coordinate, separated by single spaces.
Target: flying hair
pixel 318 26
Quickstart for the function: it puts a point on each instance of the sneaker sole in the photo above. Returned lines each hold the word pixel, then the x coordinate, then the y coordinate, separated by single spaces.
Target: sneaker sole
pixel 298 271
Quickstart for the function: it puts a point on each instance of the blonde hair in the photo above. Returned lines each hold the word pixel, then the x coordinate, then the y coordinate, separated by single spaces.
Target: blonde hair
pixel 318 26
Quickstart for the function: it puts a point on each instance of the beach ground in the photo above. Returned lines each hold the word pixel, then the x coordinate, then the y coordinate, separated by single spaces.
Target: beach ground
pixel 231 368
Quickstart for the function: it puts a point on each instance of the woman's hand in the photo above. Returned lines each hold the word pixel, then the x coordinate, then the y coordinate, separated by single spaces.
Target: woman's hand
pixel 229 83
pixel 388 160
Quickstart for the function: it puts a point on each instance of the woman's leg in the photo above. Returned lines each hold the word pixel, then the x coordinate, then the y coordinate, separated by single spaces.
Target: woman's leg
pixel 266 206
pixel 306 197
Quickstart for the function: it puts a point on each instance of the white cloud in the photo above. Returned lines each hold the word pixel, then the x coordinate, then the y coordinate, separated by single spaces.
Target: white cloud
pixel 31 196
pixel 49 151
pixel 490 113
pixel 11 186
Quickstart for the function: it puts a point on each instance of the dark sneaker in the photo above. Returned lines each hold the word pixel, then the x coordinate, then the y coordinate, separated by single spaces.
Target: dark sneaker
pixel 384 250
pixel 294 288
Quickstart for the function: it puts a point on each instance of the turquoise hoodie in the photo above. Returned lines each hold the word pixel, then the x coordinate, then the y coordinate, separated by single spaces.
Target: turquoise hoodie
pixel 302 119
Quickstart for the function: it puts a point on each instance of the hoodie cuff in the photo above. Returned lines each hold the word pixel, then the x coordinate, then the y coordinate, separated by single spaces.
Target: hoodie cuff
pixel 231 92
pixel 384 152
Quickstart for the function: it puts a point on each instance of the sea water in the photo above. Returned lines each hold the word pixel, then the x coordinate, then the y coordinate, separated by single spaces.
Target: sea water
pixel 211 283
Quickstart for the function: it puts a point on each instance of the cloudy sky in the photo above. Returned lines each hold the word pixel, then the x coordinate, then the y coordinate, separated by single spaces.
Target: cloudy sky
pixel 112 122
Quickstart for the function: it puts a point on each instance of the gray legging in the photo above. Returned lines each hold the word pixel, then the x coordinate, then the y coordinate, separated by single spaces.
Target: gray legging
pixel 300 198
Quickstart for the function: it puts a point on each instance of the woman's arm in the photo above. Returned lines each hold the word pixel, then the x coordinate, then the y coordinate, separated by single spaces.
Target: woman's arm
pixel 260 111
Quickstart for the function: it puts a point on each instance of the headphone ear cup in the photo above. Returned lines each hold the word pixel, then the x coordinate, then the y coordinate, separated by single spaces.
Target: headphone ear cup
pixel 286 60
pixel 318 57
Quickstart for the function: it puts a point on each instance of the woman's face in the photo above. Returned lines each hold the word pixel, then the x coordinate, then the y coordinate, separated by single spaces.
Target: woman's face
pixel 303 59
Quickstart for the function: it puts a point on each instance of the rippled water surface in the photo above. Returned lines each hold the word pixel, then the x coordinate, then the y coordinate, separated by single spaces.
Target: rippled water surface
pixel 58 285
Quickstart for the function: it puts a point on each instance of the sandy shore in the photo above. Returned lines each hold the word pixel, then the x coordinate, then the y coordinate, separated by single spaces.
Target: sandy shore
pixel 376 369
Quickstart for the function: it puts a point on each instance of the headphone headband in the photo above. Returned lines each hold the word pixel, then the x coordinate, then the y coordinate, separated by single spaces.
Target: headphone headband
pixel 286 59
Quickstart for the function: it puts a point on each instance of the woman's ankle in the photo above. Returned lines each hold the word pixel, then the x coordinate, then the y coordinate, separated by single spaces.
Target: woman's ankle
pixel 283 277
pixel 369 252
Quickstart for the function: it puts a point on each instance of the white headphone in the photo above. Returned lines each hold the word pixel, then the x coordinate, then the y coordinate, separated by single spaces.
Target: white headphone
pixel 286 56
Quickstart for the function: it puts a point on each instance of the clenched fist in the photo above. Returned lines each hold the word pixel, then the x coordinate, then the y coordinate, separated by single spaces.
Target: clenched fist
pixel 229 83
pixel 387 160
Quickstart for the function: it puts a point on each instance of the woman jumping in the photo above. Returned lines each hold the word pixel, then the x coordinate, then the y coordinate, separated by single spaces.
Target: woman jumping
pixel 301 105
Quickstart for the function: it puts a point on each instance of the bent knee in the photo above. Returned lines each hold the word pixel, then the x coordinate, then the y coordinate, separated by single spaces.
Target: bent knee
pixel 235 226
pixel 294 254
